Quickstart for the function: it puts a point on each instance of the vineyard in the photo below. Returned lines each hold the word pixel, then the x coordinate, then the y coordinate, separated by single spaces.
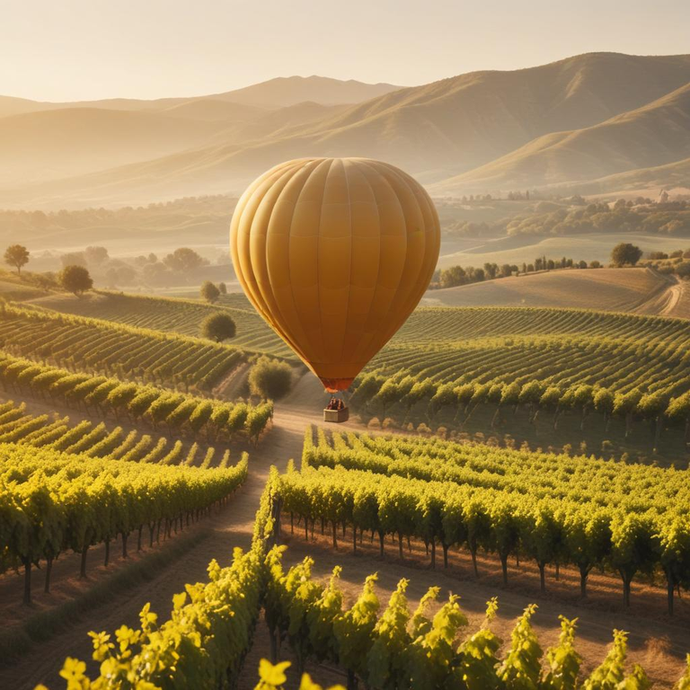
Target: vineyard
pixel 98 440
pixel 544 359
pixel 84 344
pixel 101 395
pixel 177 315
pixel 385 647
pixel 588 513
pixel 141 448
pixel 51 502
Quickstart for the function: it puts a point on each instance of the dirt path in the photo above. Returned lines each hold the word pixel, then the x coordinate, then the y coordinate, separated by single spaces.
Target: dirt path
pixel 658 643
pixel 669 301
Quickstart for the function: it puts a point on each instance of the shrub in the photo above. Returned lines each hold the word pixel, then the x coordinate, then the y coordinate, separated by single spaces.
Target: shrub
pixel 209 291
pixel 218 327
pixel 270 378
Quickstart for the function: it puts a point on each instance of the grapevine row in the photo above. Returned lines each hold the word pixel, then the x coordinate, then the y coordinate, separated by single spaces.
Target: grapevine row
pixel 181 412
pixel 546 530
pixel 178 315
pixel 84 343
pixel 660 406
pixel 16 426
pixel 51 502
pixel 636 488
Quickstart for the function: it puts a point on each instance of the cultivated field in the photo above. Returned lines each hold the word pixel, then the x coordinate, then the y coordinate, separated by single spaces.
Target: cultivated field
pixel 606 289
pixel 118 392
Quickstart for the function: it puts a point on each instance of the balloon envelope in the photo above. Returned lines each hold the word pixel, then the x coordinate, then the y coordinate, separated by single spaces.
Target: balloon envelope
pixel 335 253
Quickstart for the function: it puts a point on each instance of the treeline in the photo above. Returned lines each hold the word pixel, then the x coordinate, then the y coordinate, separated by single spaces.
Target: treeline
pixel 20 222
pixel 670 263
pixel 577 216
pixel 639 216
pixel 459 275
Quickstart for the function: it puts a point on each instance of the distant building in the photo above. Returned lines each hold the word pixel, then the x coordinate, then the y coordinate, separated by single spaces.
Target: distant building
pixel 663 197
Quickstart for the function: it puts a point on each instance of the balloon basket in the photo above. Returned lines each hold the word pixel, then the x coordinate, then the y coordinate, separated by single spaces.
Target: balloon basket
pixel 337 416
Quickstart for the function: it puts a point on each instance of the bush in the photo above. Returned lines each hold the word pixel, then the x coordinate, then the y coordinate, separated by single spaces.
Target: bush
pixel 209 291
pixel 389 423
pixel 625 253
pixel 374 423
pixel 75 279
pixel 218 327
pixel 270 378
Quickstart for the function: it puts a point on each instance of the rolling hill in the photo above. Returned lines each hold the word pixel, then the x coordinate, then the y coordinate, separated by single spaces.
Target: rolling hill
pixel 655 134
pixel 638 290
pixel 274 93
pixel 569 122
pixel 56 143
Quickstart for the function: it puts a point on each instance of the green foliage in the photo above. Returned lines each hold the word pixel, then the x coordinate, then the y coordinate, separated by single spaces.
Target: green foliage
pixel 17 255
pixel 209 291
pixel 218 327
pixel 270 378
pixel 75 279
pixel 625 253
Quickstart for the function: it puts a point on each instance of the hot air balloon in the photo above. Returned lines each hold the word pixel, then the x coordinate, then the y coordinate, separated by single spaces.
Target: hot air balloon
pixel 335 253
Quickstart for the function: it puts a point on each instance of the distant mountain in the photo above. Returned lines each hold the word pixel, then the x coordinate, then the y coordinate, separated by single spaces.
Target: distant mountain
pixel 652 135
pixel 286 91
pixel 57 143
pixel 274 93
pixel 566 123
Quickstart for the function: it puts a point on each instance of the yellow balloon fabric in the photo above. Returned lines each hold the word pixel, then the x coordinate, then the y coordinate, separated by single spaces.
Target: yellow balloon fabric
pixel 335 253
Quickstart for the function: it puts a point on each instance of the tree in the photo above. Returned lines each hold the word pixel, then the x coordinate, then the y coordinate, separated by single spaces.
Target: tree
pixel 75 279
pixel 625 253
pixel 184 259
pixel 17 256
pixel 222 287
pixel 218 327
pixel 270 378
pixel 96 255
pixel 73 259
pixel 209 291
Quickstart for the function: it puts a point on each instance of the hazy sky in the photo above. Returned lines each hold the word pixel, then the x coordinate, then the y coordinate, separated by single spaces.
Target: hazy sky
pixel 83 49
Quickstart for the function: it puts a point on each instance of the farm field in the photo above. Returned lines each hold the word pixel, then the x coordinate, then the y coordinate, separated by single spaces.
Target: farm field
pixel 100 394
pixel 177 315
pixel 659 649
pixel 606 289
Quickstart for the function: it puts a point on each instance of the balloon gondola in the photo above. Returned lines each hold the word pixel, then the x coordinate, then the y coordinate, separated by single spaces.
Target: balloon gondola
pixel 335 253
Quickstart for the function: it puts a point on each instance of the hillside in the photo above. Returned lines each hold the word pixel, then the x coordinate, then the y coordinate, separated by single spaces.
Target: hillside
pixel 607 289
pixel 435 131
pixel 650 136
pixel 274 93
